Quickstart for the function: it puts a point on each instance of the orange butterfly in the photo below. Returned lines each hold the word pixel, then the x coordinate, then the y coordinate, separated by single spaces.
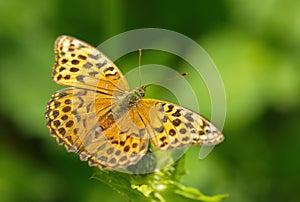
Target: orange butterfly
pixel 104 121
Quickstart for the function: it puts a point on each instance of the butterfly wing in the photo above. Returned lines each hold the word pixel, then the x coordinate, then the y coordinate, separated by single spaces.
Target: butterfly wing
pixel 75 120
pixel 80 64
pixel 172 126
pixel 127 142
pixel 81 117
pixel 70 116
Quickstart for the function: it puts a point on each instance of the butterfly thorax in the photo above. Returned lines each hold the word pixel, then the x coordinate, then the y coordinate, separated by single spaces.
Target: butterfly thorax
pixel 128 100
pixel 135 95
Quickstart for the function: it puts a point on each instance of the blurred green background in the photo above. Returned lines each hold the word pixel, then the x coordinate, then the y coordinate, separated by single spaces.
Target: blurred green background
pixel 255 44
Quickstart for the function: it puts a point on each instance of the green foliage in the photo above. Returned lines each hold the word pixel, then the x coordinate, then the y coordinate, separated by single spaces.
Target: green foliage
pixel 160 186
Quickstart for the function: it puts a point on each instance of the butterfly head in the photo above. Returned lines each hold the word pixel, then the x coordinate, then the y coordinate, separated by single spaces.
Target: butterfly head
pixel 140 91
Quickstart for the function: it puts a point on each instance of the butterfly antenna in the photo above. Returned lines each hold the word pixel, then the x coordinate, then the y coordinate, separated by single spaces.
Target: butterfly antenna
pixel 140 58
pixel 174 77
pixel 169 79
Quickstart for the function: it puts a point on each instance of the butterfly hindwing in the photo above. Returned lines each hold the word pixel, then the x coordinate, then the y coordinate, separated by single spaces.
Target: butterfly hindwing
pixel 67 114
pixel 127 141
pixel 75 120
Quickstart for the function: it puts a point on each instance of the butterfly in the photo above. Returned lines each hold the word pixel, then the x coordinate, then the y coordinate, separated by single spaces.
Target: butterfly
pixel 107 124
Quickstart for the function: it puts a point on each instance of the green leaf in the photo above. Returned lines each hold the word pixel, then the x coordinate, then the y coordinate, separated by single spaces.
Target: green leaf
pixel 120 182
pixel 161 186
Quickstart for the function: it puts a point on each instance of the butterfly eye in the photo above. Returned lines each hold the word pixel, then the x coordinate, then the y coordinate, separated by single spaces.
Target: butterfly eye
pixel 141 92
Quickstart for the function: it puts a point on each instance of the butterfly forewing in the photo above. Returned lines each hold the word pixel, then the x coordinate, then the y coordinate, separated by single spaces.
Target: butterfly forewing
pixel 81 65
